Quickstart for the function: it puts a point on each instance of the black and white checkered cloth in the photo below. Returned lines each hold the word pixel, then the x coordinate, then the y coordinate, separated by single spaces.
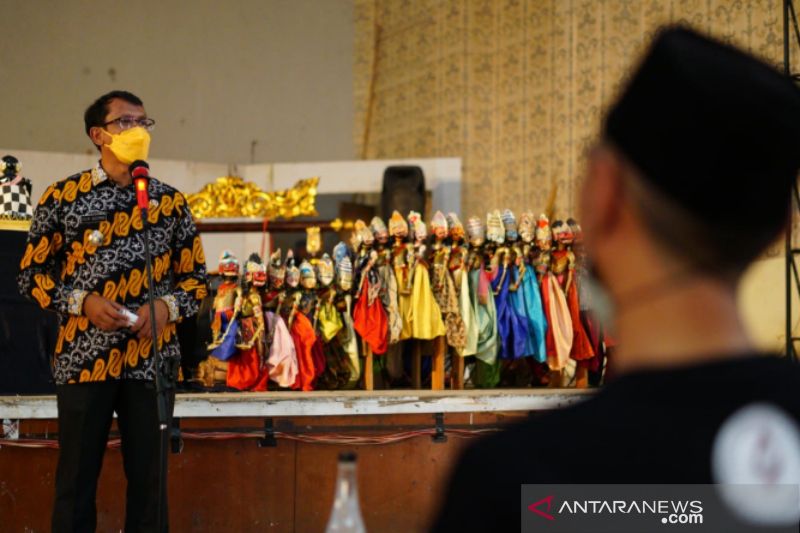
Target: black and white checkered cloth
pixel 15 200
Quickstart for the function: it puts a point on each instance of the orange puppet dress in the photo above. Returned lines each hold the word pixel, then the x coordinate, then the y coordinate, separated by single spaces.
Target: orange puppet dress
pixel 581 344
pixel 560 333
pixel 304 339
pixel 245 369
pixel 544 289
pixel 369 317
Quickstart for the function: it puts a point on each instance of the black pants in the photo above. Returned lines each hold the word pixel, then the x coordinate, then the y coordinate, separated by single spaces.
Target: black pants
pixel 85 411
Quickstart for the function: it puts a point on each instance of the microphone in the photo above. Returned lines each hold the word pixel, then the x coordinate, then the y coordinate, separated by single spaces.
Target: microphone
pixel 140 172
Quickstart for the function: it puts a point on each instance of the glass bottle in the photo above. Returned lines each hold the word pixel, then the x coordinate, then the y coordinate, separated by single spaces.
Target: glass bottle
pixel 346 512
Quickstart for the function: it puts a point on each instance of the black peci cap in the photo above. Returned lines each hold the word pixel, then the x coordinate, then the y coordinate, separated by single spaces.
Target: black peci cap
pixel 711 127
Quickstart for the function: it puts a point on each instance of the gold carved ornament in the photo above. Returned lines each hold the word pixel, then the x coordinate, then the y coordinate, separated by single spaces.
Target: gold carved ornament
pixel 313 240
pixel 337 224
pixel 232 197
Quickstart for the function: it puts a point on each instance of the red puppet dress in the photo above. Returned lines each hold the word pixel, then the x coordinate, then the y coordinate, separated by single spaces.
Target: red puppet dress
pixel 369 316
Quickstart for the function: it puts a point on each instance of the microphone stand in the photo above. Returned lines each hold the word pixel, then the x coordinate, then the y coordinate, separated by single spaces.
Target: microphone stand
pixel 161 383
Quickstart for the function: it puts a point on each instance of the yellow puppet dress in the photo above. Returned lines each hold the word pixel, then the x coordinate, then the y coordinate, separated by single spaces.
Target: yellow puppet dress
pixel 402 274
pixel 426 316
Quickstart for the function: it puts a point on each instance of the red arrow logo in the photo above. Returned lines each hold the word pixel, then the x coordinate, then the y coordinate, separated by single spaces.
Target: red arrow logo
pixel 549 501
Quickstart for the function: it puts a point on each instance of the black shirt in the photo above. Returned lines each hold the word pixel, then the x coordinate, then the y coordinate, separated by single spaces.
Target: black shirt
pixel 644 427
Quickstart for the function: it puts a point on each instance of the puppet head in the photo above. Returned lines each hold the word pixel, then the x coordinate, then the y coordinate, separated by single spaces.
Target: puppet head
pixel 526 227
pixel 456 228
pixel 562 234
pixel 543 236
pixel 418 228
pixel 363 235
pixel 510 225
pixel 379 230
pixel 577 231
pixel 325 270
pixel 277 272
pixel 255 273
pixel 292 271
pixel 495 232
pixel 439 225
pixel 308 278
pixel 228 264
pixel 398 227
pixel 476 231
pixel 344 274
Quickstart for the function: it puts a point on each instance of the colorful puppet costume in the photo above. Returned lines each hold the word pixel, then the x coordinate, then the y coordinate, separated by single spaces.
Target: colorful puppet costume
pixel 444 290
pixel 247 369
pixel 387 277
pixel 309 356
pixel 224 326
pixel 488 370
pixel 528 301
pixel 369 317
pixel 558 339
pixel 425 317
pixel 402 260
pixel 282 360
pixel 512 328
pixel 349 343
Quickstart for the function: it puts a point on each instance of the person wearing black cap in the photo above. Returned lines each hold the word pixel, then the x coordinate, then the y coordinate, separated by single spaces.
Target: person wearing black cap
pixel 690 183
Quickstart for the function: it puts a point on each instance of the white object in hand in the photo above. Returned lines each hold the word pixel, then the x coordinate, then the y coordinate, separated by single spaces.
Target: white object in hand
pixel 130 316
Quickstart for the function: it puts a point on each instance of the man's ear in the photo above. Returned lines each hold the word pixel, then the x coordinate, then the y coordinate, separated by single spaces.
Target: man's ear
pixel 98 136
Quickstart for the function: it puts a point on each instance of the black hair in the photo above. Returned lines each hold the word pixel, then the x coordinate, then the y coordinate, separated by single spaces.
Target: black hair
pixel 720 249
pixel 95 114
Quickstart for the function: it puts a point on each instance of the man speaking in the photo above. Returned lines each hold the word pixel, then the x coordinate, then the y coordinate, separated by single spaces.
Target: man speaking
pixel 85 260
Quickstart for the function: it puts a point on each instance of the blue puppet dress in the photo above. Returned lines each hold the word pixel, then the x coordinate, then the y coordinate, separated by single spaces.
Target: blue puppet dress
pixel 528 303
pixel 512 327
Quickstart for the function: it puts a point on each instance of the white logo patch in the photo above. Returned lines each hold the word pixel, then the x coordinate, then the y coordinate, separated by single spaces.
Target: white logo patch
pixel 759 445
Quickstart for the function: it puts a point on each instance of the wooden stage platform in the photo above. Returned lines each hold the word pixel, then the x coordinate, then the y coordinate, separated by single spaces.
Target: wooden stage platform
pixel 225 479
pixel 330 403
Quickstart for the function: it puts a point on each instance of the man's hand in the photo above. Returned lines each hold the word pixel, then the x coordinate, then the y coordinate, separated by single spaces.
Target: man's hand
pixel 104 313
pixel 142 328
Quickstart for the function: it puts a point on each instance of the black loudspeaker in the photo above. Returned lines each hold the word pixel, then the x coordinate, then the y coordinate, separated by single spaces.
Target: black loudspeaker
pixel 403 190
pixel 27 333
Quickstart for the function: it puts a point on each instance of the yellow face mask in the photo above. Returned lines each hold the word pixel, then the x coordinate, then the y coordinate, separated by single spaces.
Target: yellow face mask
pixel 130 145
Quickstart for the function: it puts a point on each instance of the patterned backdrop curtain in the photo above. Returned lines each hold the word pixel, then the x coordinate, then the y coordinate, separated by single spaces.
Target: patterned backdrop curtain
pixel 516 88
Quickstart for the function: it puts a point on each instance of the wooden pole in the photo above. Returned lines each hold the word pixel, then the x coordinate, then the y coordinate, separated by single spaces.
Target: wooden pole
pixel 416 364
pixel 582 375
pixel 556 379
pixel 437 371
pixel 457 372
pixel 366 369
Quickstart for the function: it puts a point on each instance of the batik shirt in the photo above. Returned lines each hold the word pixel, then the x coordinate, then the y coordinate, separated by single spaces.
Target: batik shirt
pixel 86 237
